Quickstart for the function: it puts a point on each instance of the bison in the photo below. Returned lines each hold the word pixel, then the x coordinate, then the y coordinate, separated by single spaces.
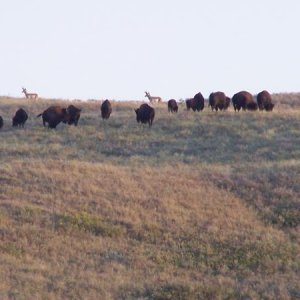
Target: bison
pixel 243 100
pixel 269 106
pixel 54 115
pixel 19 118
pixel 227 103
pixel 145 114
pixel 218 101
pixel 196 103
pixel 252 106
pixel 106 109
pixel 73 115
pixel 264 101
pixel 188 103
pixel 1 122
pixel 172 106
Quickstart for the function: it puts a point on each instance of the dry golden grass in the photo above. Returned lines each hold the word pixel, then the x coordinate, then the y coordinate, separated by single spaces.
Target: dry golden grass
pixel 201 206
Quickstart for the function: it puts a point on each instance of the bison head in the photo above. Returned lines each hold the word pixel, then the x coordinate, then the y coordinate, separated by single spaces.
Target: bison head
pixel 252 106
pixel 269 106
pixel 65 116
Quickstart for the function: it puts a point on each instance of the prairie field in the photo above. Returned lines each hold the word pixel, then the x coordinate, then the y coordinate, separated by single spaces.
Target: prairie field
pixel 200 206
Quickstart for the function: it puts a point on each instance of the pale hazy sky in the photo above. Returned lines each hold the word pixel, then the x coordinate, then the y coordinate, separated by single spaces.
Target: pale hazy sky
pixel 117 49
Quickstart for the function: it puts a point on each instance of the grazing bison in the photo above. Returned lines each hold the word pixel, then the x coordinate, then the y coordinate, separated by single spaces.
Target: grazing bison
pixel 188 103
pixel 218 101
pixel 1 122
pixel 172 106
pixel 269 106
pixel 19 118
pixel 145 114
pixel 227 103
pixel 243 100
pixel 252 106
pixel 54 115
pixel 73 115
pixel 106 109
pixel 196 103
pixel 264 101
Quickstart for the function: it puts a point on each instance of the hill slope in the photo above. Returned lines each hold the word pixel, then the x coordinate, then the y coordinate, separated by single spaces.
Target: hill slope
pixel 201 206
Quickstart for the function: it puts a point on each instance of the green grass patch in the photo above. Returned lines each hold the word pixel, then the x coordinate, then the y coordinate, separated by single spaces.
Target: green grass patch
pixel 88 223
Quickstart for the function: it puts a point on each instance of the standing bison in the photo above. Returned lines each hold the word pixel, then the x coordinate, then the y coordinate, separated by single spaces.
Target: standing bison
pixel 188 103
pixel 218 101
pixel 106 109
pixel 227 103
pixel 172 106
pixel 264 101
pixel 19 118
pixel 243 100
pixel 73 115
pixel 196 103
pixel 1 122
pixel 145 114
pixel 54 115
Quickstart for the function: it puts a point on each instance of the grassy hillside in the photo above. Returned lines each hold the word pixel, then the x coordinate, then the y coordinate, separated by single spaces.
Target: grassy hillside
pixel 200 206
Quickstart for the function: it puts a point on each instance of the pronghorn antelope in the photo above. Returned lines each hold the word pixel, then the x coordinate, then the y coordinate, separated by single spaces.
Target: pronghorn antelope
pixel 153 98
pixel 29 95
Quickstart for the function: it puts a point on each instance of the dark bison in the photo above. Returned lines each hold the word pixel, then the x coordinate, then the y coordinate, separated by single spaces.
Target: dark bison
pixel 196 103
pixel 145 114
pixel 172 106
pixel 269 106
pixel 218 101
pixel 264 101
pixel 54 115
pixel 227 103
pixel 252 106
pixel 188 103
pixel 73 115
pixel 243 100
pixel 106 109
pixel 1 122
pixel 19 118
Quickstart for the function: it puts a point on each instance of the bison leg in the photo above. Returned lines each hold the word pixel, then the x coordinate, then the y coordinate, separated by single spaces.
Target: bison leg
pixel 150 122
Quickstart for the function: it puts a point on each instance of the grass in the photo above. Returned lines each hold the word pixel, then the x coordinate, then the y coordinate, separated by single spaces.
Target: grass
pixel 201 206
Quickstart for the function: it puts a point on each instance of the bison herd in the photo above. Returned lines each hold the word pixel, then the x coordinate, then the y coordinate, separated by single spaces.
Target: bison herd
pixel 145 114
pixel 246 101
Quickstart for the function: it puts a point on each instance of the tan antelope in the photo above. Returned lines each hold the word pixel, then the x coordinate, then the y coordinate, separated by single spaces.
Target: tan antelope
pixel 153 98
pixel 29 95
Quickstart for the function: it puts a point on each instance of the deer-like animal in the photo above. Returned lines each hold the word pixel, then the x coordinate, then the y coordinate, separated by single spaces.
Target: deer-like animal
pixel 153 98
pixel 29 95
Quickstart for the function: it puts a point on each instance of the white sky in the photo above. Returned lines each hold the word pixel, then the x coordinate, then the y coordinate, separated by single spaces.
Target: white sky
pixel 117 49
